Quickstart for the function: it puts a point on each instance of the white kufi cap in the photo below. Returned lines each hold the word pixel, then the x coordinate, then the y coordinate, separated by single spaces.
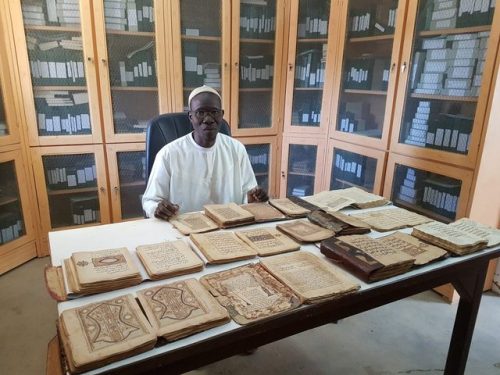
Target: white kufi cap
pixel 200 90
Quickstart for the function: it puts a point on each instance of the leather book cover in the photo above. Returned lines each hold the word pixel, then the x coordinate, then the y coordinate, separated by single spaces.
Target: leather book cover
pixel 338 223
pixel 353 259
pixel 303 203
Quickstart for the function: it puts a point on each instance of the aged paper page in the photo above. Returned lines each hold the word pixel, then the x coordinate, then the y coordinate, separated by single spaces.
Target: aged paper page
pixel 193 222
pixel 305 231
pixel 391 219
pixel 227 214
pixel 263 212
pixel 106 331
pixel 478 230
pixel 362 198
pixel 289 208
pixel 384 254
pixel 421 251
pixel 169 259
pixel 250 293
pixel 329 201
pixel 181 308
pixel 310 277
pixel 222 247
pixel 268 241
pixel 103 265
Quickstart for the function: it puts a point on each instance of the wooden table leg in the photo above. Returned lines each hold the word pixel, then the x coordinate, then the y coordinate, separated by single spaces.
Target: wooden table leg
pixel 470 289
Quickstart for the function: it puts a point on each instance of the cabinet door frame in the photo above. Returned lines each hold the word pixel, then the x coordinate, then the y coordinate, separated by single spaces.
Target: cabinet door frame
pixel 463 175
pixel 177 65
pixel 276 101
pixel 161 39
pixel 288 140
pixel 41 184
pixel 380 156
pixel 274 151
pixel 114 178
pixel 27 84
pixel 15 155
pixel 469 160
pixel 329 84
pixel 383 142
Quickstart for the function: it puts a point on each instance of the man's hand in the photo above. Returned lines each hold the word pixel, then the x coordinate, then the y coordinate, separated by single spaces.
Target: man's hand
pixel 257 194
pixel 165 210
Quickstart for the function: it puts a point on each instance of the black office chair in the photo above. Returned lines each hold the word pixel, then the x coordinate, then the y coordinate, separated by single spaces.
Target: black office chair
pixel 166 128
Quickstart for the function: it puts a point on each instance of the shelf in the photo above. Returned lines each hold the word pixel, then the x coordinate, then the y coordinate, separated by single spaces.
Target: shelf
pixel 133 184
pixel 423 211
pixel 312 40
pixel 352 184
pixel 57 29
pixel 201 38
pixel 463 30
pixel 148 34
pixel 133 88
pixel 308 88
pixel 444 97
pixel 262 41
pixel 257 174
pixel 72 191
pixel 366 92
pixel 373 38
pixel 309 174
pixel 7 200
pixel 254 126
pixel 60 88
pixel 256 89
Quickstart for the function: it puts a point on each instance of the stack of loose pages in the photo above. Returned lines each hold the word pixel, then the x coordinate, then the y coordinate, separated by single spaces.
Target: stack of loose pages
pixel 268 241
pixel 99 333
pixel 341 224
pixel 100 271
pixel 222 247
pixel 263 212
pixel 289 208
pixel 193 222
pixel 305 231
pixel 392 218
pixel 228 215
pixel 168 259
pixel 462 237
pixel 360 198
pixel 181 309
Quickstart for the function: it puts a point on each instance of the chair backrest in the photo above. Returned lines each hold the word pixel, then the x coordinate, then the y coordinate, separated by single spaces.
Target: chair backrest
pixel 166 128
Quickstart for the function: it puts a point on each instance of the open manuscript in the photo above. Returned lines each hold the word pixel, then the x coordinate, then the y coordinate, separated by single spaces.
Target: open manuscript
pixel 228 215
pixel 330 201
pixel 462 237
pixel 310 277
pixel 250 293
pixel 193 222
pixel 289 208
pixel 305 231
pixel 91 272
pixel 387 219
pixel 268 241
pixel 168 259
pixel 367 258
pixel 360 198
pixel 222 247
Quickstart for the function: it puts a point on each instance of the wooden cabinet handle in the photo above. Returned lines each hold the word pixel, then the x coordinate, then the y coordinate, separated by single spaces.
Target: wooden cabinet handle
pixel 393 66
pixel 290 67
pixel 283 174
pixel 103 61
pixel 102 189
pixel 116 189
pixel 403 67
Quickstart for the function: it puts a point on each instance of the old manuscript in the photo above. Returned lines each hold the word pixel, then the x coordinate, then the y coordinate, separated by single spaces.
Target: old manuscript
pixel 338 222
pixel 250 293
pixel 100 271
pixel 289 208
pixel 311 278
pixel 268 241
pixel 330 201
pixel 366 257
pixel 181 309
pixel 193 222
pixel 361 198
pixel 450 237
pixel 263 212
pixel 422 252
pixel 391 218
pixel 96 334
pixel 305 231
pixel 479 230
pixel 168 259
pixel 222 247
pixel 228 215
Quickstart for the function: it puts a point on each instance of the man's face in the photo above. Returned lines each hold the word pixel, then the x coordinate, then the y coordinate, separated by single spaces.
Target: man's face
pixel 206 115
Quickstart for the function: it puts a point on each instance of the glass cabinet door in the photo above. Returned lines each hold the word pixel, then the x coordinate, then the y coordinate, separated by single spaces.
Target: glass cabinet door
pixel 12 224
pixel 447 67
pixel 59 75
pixel 127 171
pixel 427 188
pixel 204 48
pixel 308 93
pixel 129 61
pixel 256 59
pixel 260 158
pixel 366 76
pixel 73 192
pixel 350 165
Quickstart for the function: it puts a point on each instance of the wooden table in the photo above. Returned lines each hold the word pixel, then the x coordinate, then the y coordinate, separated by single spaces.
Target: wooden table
pixel 466 273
